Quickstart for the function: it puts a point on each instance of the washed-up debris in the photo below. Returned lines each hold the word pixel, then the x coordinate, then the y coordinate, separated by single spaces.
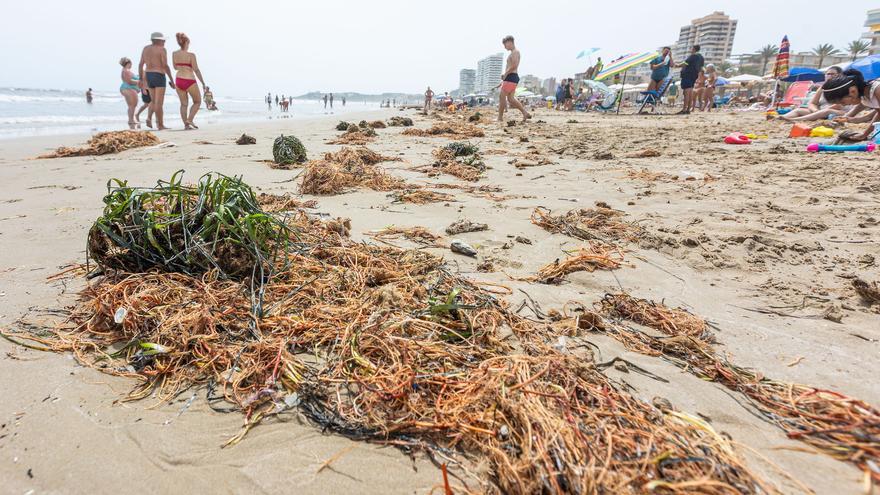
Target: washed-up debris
pixel 453 130
pixel 274 203
pixel 843 427
pixel 462 226
pixel 288 150
pixel 389 345
pixel 418 235
pixel 869 291
pixel 104 143
pixel 594 256
pixel 461 247
pixel 246 139
pixel 589 224
pixel 421 196
pixel 345 169
pixel 645 153
pixel 400 122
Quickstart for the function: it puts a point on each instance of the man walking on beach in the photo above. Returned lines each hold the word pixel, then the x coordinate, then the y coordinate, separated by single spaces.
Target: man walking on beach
pixel 153 68
pixel 692 67
pixel 325 102
pixel 89 96
pixel 331 101
pixel 509 80
pixel 429 95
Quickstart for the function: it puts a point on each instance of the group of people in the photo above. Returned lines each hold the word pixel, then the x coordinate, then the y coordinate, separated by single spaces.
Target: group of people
pixel 329 97
pixel 152 77
pixel 283 103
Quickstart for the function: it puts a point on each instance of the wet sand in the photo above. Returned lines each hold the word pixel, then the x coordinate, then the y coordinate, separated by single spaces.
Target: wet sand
pixel 762 240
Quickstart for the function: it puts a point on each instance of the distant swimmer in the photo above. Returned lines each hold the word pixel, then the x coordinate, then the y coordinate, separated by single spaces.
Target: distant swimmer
pixel 187 68
pixel 153 69
pixel 509 81
pixel 325 102
pixel 89 96
pixel 129 90
pixel 331 100
pixel 343 101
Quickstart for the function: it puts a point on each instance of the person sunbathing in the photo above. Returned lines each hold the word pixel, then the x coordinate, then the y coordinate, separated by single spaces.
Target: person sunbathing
pixel 815 107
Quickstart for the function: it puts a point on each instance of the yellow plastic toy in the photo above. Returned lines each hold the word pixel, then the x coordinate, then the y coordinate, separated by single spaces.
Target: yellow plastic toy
pixel 822 131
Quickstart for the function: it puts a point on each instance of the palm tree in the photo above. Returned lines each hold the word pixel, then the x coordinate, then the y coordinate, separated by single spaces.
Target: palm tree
pixel 766 53
pixel 825 50
pixel 725 68
pixel 857 47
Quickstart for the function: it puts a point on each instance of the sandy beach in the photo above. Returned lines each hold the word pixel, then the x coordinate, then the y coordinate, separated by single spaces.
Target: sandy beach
pixel 761 240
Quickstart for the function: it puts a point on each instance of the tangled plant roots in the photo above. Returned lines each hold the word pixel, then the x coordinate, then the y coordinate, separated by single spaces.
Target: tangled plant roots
pixel 418 235
pixel 843 427
pixel 104 143
pixel 421 196
pixel 387 345
pixel 274 203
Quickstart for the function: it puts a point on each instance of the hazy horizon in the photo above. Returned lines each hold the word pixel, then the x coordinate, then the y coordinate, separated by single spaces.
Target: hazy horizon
pixel 386 46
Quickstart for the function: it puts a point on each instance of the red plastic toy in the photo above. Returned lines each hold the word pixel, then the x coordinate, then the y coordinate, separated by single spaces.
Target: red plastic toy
pixel 737 138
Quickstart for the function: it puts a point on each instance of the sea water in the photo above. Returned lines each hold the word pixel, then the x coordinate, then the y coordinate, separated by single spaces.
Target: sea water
pixel 35 112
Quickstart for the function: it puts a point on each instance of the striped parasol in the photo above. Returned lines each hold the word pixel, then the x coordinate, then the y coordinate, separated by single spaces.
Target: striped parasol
pixel 625 63
pixel 781 69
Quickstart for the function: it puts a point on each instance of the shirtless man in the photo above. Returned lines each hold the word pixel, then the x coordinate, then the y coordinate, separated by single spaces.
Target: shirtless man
pixel 153 69
pixel 509 80
pixel 429 95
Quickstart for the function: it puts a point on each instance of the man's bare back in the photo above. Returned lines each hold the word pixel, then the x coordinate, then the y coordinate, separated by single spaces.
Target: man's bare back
pixel 155 58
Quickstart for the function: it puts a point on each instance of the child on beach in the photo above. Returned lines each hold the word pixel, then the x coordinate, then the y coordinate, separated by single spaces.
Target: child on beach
pixel 145 99
pixel 709 91
pixel 850 88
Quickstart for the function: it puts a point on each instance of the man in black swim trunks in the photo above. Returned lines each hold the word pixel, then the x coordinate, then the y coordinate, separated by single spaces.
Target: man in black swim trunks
pixel 153 68
pixel 691 69
pixel 509 80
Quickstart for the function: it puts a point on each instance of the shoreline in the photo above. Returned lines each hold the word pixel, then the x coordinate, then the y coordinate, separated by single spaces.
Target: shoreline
pixel 63 421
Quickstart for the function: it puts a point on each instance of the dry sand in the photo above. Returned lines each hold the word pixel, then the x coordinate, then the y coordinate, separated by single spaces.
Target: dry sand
pixel 763 241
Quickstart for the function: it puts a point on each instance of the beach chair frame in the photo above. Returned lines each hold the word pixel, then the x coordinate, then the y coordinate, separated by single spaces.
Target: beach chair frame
pixel 652 98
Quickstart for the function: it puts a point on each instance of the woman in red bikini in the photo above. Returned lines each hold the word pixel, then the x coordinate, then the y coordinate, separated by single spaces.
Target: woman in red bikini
pixel 187 70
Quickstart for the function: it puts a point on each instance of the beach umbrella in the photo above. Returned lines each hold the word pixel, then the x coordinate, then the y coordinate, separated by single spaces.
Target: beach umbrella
pixel 745 78
pixel 868 66
pixel 720 81
pixel 804 74
pixel 587 52
pixel 550 98
pixel 623 64
pixel 781 69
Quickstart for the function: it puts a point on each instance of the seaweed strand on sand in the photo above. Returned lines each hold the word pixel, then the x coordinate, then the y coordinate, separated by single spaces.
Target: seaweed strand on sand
pixel 104 143
pixel 843 427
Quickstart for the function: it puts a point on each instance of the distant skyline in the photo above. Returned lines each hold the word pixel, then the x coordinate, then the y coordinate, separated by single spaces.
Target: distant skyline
pixel 380 46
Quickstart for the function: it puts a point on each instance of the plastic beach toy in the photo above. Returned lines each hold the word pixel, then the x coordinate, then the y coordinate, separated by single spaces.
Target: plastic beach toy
pixel 816 147
pixel 800 130
pixel 737 138
pixel 753 136
pixel 822 131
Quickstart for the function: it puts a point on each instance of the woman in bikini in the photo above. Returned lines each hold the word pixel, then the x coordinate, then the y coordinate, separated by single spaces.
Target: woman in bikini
pixel 709 92
pixel 187 70
pixel 129 89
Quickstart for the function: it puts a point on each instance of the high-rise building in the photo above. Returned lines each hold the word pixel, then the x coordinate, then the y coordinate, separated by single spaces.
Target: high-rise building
pixel 550 86
pixel 489 72
pixel 530 82
pixel 714 33
pixel 873 34
pixel 467 79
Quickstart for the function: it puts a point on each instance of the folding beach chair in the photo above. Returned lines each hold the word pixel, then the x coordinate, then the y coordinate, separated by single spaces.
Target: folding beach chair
pixel 795 94
pixel 652 98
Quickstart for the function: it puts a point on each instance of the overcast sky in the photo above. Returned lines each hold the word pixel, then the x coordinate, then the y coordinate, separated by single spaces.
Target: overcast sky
pixel 247 48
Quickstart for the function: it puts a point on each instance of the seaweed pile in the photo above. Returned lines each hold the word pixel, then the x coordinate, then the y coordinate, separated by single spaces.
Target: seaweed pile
pixel 420 196
pixel 594 256
pixel 400 122
pixel 843 427
pixel 387 345
pixel 246 139
pixel 418 235
pixel 274 203
pixel 346 169
pixel 601 224
pixel 214 225
pixel 287 151
pixel 358 134
pixel 459 159
pixel 105 143
pixel 451 129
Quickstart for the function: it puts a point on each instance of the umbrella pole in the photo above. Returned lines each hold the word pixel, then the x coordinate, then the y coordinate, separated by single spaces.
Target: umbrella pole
pixel 623 87
pixel 775 88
